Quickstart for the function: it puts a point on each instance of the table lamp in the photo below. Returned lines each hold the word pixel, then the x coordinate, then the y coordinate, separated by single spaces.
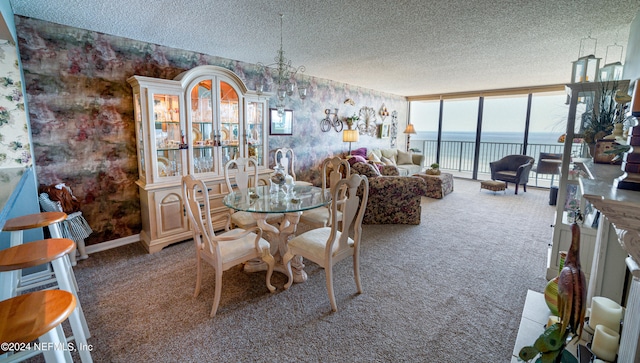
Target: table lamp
pixel 350 136
pixel 409 131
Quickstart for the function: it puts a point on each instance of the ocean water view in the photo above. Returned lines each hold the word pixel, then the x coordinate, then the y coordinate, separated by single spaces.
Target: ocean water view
pixel 457 149
pixel 500 137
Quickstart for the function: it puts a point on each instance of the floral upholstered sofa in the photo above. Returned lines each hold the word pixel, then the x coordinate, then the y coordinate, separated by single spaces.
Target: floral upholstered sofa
pixel 393 199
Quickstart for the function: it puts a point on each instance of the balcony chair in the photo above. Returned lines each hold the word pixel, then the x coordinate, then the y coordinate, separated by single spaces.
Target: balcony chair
pixel 512 169
pixel 544 166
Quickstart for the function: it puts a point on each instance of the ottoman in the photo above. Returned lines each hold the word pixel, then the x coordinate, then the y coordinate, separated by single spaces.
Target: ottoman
pixel 437 185
pixel 493 185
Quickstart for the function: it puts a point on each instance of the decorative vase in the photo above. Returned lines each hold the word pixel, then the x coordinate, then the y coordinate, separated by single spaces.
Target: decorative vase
pixel 278 175
pixel 551 290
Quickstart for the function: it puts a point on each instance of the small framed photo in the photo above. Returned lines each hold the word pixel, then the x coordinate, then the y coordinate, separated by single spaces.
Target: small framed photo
pixel 383 131
pixel 280 125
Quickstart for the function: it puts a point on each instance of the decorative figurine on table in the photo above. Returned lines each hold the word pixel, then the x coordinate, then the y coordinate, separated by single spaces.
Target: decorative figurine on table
pixel 572 296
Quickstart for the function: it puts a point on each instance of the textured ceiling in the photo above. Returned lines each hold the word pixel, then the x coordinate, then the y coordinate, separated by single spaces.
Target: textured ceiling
pixel 404 47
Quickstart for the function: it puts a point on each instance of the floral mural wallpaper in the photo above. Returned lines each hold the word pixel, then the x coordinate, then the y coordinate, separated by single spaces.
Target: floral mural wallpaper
pixel 81 114
pixel 14 133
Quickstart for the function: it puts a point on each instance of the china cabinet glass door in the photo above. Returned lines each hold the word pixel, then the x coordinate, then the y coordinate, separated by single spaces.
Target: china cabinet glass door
pixel 168 136
pixel 255 115
pixel 231 132
pixel 137 114
pixel 203 137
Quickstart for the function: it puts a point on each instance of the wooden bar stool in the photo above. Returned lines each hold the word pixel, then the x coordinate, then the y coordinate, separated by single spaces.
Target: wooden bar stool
pixel 54 251
pixel 16 226
pixel 37 315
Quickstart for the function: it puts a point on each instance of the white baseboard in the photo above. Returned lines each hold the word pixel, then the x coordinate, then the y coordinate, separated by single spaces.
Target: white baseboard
pixel 103 246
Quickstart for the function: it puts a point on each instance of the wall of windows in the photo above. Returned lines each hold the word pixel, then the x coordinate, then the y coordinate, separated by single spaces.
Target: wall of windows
pixel 477 129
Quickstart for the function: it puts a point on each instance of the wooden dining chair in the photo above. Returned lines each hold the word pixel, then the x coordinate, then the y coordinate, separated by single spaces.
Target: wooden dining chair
pixel 244 172
pixel 327 246
pixel 333 169
pixel 225 250
pixel 286 158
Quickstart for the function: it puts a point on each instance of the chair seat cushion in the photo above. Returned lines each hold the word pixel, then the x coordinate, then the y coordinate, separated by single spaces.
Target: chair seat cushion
pixel 315 241
pixel 506 175
pixel 231 250
pixel 245 219
pixel 317 216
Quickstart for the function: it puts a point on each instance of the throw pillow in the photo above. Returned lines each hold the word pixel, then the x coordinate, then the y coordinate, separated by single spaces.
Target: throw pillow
pixel 387 161
pixel 356 159
pixel 373 157
pixel 360 151
pixel 405 157
pixel 365 169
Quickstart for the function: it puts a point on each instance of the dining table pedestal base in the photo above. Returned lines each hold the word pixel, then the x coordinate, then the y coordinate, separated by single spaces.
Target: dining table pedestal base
pixel 278 237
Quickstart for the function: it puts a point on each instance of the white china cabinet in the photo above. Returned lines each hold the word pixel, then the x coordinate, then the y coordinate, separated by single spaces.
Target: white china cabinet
pixel 192 124
pixel 570 199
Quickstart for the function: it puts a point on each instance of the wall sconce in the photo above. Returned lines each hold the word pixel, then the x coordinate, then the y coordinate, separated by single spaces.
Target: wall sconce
pixel 383 112
pixel 349 101
pixel 350 136
pixel 409 131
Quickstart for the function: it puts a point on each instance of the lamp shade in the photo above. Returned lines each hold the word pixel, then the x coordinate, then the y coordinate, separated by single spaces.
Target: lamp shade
pixel 410 129
pixel 350 136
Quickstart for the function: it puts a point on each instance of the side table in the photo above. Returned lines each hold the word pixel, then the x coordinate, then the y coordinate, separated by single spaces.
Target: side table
pixel 437 185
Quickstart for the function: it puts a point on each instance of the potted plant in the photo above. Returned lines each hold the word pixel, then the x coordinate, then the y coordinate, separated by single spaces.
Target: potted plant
pixel 434 169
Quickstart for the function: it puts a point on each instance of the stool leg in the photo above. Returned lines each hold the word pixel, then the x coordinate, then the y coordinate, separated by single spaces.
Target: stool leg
pixel 16 238
pixel 8 284
pixel 55 231
pixel 82 250
pixel 54 352
pixel 77 319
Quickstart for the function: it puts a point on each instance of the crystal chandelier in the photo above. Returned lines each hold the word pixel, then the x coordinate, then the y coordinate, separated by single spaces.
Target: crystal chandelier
pixel 283 74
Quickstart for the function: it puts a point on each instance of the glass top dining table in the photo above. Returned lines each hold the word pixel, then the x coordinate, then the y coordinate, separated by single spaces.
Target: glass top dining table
pixel 261 201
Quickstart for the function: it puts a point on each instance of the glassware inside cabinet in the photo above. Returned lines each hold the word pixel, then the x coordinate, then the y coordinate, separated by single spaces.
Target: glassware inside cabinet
pixel 255 117
pixel 139 133
pixel 230 132
pixel 168 134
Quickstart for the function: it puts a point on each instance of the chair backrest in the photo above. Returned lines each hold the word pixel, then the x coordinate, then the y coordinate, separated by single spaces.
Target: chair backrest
pixel 334 169
pixel 196 200
pixel 286 158
pixel 545 167
pixel 344 194
pixel 245 176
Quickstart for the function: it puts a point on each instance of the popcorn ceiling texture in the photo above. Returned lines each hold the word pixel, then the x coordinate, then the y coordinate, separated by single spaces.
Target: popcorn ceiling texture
pixel 404 48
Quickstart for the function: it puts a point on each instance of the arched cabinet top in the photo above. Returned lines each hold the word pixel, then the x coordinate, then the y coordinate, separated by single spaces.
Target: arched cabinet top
pixel 189 76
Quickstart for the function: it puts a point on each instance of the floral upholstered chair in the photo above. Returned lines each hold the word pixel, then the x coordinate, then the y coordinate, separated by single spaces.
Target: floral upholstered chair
pixel 393 199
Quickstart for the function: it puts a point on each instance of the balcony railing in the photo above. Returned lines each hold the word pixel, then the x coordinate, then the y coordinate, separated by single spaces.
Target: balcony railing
pixel 458 156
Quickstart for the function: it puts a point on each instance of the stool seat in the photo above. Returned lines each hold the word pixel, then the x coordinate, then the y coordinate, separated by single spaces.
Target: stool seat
pixel 31 221
pixel 34 253
pixel 493 185
pixel 27 317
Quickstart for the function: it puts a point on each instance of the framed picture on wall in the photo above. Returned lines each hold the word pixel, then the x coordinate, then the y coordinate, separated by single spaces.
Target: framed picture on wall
pixel 280 125
pixel 383 131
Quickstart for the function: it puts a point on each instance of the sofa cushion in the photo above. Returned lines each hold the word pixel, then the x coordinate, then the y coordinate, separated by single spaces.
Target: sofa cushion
pixel 388 161
pixel 365 169
pixel 353 159
pixel 360 151
pixel 404 157
pixel 374 157
pixel 390 153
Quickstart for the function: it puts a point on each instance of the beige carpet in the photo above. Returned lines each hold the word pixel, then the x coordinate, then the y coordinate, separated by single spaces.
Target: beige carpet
pixel 449 290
